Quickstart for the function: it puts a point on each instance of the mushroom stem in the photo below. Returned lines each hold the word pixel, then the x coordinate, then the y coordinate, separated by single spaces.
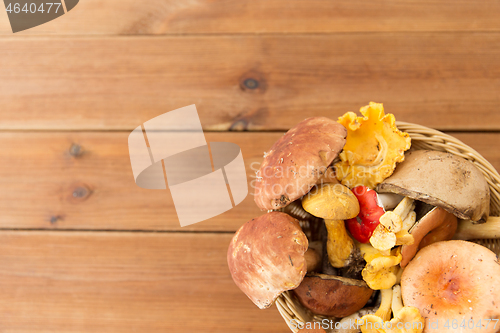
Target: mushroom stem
pixel 389 200
pixel 468 230
pixel 404 208
pixel 384 310
pixel 340 245
pixel 397 302
pixel 409 221
pixel 313 259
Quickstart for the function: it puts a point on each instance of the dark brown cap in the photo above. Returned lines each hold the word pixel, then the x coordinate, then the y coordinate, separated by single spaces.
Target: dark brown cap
pixel 297 160
pixel 266 257
pixel 333 295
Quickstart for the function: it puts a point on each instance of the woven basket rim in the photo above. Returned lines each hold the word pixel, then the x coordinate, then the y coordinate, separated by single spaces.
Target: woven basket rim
pixel 422 138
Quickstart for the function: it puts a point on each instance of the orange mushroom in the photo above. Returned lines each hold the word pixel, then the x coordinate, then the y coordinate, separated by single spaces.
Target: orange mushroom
pixel 436 225
pixel 455 282
pixel 373 147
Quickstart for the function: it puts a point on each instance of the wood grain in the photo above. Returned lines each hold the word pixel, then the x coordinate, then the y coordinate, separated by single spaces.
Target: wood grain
pixel 127 17
pixel 43 186
pixel 441 80
pixel 123 282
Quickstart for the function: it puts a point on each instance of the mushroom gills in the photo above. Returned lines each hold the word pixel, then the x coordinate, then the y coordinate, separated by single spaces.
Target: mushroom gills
pixel 422 208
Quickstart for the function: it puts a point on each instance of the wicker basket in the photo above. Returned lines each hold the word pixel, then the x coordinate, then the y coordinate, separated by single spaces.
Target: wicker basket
pixel 422 138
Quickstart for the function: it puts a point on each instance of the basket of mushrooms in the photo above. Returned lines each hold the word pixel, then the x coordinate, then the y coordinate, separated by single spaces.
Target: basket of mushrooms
pixel 373 225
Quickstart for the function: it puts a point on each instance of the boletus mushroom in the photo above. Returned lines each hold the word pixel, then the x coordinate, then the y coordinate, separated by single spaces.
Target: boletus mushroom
pixel 443 180
pixel 267 256
pixel 296 162
pixel 334 203
pixel 454 281
pixel 332 295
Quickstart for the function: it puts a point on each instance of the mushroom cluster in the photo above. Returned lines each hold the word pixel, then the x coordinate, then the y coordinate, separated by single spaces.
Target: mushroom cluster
pixel 355 220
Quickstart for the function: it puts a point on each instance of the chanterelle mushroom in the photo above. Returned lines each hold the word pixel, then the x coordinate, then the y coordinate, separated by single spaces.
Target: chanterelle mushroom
pixel 443 180
pixel 454 281
pixel 374 146
pixel 266 257
pixel 406 319
pixel 297 160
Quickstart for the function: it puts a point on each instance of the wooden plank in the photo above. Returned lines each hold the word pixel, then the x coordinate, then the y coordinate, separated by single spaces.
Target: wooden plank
pixel 96 190
pixel 123 282
pixel 39 180
pixel 269 16
pixel 442 80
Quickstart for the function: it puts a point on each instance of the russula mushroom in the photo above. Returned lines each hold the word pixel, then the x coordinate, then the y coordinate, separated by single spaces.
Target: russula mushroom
pixel 266 257
pixel 436 225
pixel 296 162
pixel 454 281
pixel 332 295
pixel 334 203
pixel 443 180
pixel 362 226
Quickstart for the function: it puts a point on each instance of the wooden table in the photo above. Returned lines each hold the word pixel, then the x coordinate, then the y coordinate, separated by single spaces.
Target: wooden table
pixel 83 249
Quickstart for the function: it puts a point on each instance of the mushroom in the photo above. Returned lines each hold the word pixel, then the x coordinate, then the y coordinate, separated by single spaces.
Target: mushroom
pixel 349 324
pixel 267 257
pixel 297 161
pixel 406 319
pixel 374 145
pixel 334 203
pixel 370 210
pixel 313 258
pixel 454 281
pixel 393 227
pixel 389 200
pixel 332 295
pixel 443 180
pixel 373 211
pixel 381 271
pixel 469 230
pixel 436 225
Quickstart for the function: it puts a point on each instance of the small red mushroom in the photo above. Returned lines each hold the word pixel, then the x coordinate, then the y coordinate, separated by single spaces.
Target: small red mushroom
pixel 362 226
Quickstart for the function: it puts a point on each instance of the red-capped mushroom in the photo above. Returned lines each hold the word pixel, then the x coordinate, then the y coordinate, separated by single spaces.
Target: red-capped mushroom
pixel 454 282
pixel 370 211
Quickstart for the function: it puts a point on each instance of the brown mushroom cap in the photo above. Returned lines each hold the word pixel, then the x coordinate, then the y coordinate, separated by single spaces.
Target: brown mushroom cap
pixel 443 180
pixel 330 295
pixel 436 225
pixel 454 281
pixel 297 160
pixel 266 257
